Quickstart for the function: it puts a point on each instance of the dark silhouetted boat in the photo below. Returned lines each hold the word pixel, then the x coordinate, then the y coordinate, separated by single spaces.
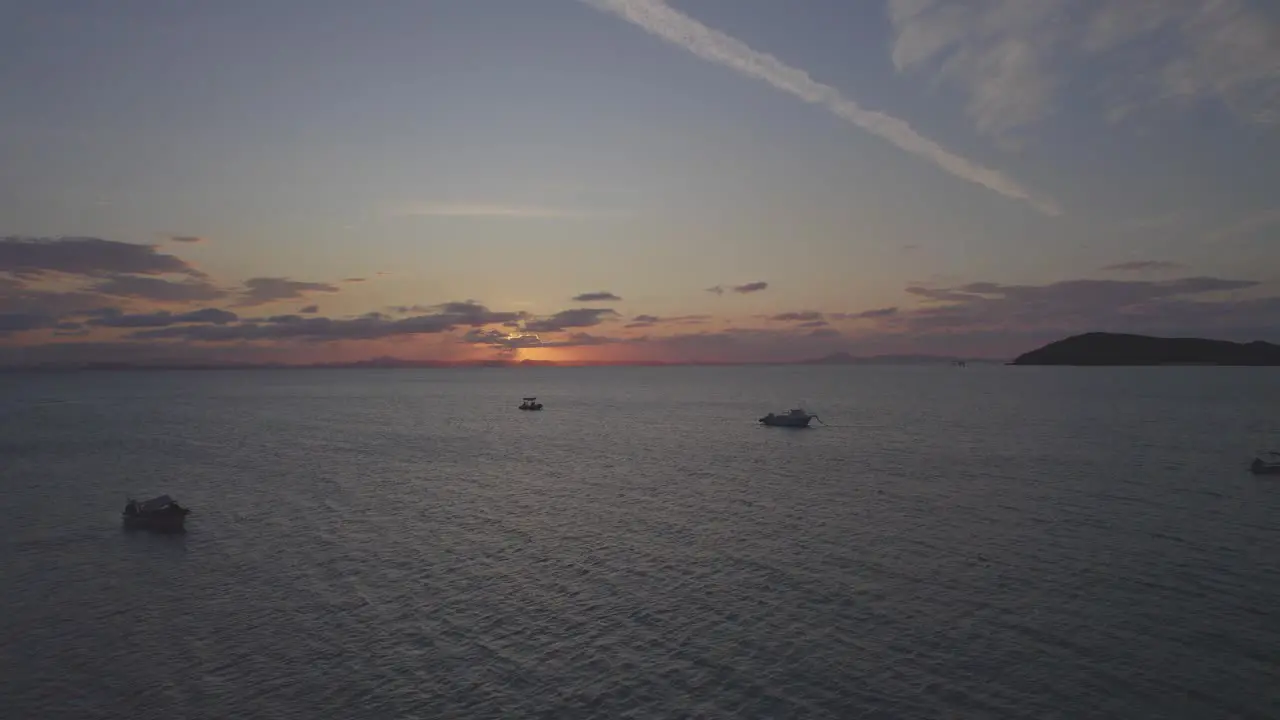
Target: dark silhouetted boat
pixel 160 513
pixel 796 418
pixel 1266 467
pixel 530 404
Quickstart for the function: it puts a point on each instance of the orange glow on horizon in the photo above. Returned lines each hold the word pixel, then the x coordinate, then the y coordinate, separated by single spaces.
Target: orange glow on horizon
pixel 542 354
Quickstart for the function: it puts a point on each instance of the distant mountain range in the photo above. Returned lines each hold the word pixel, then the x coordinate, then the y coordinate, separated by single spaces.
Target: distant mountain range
pixel 844 358
pixel 1096 348
pixel 840 358
pixel 1120 349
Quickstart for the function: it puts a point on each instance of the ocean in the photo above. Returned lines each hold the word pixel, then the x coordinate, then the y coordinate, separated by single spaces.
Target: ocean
pixel 987 542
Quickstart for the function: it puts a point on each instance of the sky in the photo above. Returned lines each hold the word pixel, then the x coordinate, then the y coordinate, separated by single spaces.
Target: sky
pixel 678 180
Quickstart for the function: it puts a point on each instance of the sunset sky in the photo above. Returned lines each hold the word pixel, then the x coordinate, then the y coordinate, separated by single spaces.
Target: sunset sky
pixel 632 179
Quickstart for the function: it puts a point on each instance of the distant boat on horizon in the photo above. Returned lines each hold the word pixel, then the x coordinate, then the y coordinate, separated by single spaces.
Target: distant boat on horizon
pixel 530 403
pixel 796 418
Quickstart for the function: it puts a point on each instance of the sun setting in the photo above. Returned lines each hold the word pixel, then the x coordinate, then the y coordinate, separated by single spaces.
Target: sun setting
pixel 702 198
pixel 645 359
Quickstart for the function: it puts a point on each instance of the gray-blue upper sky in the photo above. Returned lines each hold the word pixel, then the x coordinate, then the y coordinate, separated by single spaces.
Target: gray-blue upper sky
pixel 523 151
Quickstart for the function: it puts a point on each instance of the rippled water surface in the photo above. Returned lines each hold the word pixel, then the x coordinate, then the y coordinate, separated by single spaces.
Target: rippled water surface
pixel 986 542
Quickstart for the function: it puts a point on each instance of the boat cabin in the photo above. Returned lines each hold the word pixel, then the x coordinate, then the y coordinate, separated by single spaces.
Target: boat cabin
pixel 796 417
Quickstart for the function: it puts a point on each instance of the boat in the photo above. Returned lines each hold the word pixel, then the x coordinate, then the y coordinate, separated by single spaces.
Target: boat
pixel 530 404
pixel 1266 467
pixel 159 513
pixel 796 418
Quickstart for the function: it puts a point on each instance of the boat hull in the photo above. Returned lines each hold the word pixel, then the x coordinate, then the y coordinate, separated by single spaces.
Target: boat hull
pixel 169 522
pixel 784 421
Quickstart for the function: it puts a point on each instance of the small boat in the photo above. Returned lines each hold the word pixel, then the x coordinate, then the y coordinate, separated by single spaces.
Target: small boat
pixel 530 404
pixel 797 418
pixel 1266 467
pixel 159 513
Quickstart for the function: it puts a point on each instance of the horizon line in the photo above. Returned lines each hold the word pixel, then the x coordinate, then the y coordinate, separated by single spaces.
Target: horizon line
pixel 402 364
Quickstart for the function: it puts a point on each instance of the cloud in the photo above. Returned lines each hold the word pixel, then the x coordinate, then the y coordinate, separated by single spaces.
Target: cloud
pixel 17 298
pixel 659 19
pixel 353 280
pixel 264 290
pixel 751 287
pixel 576 318
pixel 993 319
pixel 185 238
pixel 602 296
pixel 738 344
pixel 975 319
pixel 805 316
pixel 718 290
pixel 309 310
pixel 21 322
pixel 322 329
pixel 1144 266
pixel 508 343
pixel 470 312
pixel 865 314
pixel 1075 294
pixel 36 257
pixel 1014 59
pixel 645 321
pixel 582 339
pixel 114 318
pixel 448 210
pixel 158 289
pixel 1072 306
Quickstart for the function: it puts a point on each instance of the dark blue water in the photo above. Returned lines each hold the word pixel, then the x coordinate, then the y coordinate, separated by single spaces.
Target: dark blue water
pixel 987 542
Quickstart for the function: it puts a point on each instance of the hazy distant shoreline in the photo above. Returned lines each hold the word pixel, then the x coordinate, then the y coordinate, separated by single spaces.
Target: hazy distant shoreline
pixel 445 366
pixel 1088 349
pixel 400 364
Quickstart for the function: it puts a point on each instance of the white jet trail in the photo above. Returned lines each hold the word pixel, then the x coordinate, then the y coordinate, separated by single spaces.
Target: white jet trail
pixel 658 18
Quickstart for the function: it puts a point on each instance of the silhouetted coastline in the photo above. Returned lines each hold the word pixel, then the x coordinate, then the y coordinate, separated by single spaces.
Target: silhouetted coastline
pixel 1111 349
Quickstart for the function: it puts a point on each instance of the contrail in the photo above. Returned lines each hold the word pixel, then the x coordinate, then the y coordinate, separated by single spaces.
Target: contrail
pixel 657 18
